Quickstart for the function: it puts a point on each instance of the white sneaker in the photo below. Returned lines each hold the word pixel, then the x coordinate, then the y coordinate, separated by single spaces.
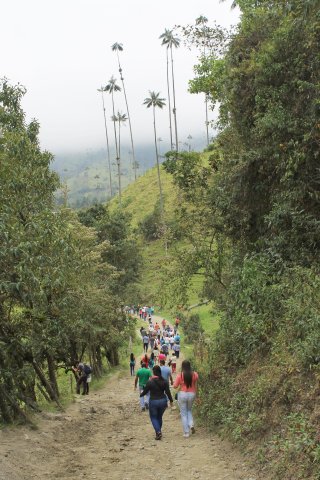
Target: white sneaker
pixel 186 435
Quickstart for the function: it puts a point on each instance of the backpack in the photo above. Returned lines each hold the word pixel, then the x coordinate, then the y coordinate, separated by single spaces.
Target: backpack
pixel 87 369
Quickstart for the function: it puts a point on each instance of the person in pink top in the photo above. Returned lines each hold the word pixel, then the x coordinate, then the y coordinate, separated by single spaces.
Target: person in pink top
pixel 161 356
pixel 186 382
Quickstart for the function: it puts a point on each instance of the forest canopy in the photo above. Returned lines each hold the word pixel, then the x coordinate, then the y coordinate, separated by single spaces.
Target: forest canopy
pixel 59 288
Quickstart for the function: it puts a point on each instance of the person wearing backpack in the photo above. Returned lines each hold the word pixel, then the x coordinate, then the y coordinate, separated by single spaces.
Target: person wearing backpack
pixel 84 377
pixel 165 349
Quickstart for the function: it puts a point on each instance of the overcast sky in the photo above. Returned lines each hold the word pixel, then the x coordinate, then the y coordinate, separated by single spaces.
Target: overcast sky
pixel 60 51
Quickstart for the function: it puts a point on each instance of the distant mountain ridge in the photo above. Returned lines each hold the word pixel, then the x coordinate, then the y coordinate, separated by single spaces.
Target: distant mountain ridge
pixel 85 176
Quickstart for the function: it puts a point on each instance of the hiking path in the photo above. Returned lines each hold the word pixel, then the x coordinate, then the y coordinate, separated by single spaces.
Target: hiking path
pixel 105 436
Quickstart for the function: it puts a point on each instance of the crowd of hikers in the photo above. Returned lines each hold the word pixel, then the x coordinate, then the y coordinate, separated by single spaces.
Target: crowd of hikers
pixel 158 371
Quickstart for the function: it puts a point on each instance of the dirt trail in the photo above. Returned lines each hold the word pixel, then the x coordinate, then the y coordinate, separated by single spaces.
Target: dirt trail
pixel 105 436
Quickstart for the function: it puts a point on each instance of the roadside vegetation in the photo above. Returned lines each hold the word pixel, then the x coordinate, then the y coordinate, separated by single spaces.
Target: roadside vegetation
pixel 62 277
pixel 248 223
pixel 227 239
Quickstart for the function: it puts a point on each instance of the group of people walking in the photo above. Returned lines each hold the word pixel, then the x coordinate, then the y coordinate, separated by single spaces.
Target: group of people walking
pixel 154 376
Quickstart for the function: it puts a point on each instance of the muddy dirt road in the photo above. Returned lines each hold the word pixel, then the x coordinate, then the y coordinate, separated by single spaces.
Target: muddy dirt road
pixel 105 436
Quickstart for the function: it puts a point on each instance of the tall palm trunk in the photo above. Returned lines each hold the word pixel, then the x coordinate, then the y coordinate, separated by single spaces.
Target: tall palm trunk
pixel 169 100
pixel 174 102
pixel 116 146
pixel 157 158
pixel 206 105
pixel 108 148
pixel 119 163
pixel 207 119
pixel 134 163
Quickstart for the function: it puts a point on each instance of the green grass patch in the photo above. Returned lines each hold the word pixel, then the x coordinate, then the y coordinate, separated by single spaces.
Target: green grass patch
pixel 210 319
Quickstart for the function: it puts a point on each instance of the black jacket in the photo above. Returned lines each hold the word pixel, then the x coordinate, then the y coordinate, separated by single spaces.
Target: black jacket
pixel 158 389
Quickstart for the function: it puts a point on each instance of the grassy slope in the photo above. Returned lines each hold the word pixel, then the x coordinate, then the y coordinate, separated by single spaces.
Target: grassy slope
pixel 139 199
pixel 269 408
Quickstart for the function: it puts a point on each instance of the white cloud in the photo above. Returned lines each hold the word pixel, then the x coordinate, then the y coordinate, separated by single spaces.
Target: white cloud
pixel 60 50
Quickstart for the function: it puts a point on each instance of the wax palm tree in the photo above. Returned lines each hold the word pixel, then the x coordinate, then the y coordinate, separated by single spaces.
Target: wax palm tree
pixel 107 138
pixel 111 88
pixel 117 47
pixel 119 118
pixel 170 41
pixel 155 101
pixel 163 37
pixel 202 21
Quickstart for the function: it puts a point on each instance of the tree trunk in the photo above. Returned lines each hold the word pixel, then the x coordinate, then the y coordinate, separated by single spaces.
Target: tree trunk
pixel 99 359
pixel 115 356
pixel 52 394
pixel 29 402
pixel 134 163
pixel 44 393
pixel 116 146
pixel 15 407
pixel 52 375
pixel 112 356
pixel 207 120
pixel 169 100
pixel 108 148
pixel 28 389
pixel 73 352
pixel 119 164
pixel 174 103
pixel 157 158
pixel 4 408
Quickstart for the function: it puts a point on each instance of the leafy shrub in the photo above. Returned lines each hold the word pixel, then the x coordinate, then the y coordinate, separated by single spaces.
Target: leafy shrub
pixel 150 226
pixel 192 328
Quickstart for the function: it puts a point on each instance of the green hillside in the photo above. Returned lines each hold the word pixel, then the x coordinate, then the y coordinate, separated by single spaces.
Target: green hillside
pixel 140 199
pixel 85 174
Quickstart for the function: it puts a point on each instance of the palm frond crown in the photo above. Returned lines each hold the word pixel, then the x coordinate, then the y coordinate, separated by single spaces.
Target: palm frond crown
pixel 119 117
pixel 201 20
pixel 112 86
pixel 154 100
pixel 117 46
pixel 169 39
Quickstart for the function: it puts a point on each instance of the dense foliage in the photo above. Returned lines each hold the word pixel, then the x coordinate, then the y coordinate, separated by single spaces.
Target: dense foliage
pixel 57 298
pixel 256 236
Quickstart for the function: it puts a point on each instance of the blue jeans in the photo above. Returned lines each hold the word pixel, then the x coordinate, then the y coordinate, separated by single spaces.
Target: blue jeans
pixel 156 411
pixel 185 400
